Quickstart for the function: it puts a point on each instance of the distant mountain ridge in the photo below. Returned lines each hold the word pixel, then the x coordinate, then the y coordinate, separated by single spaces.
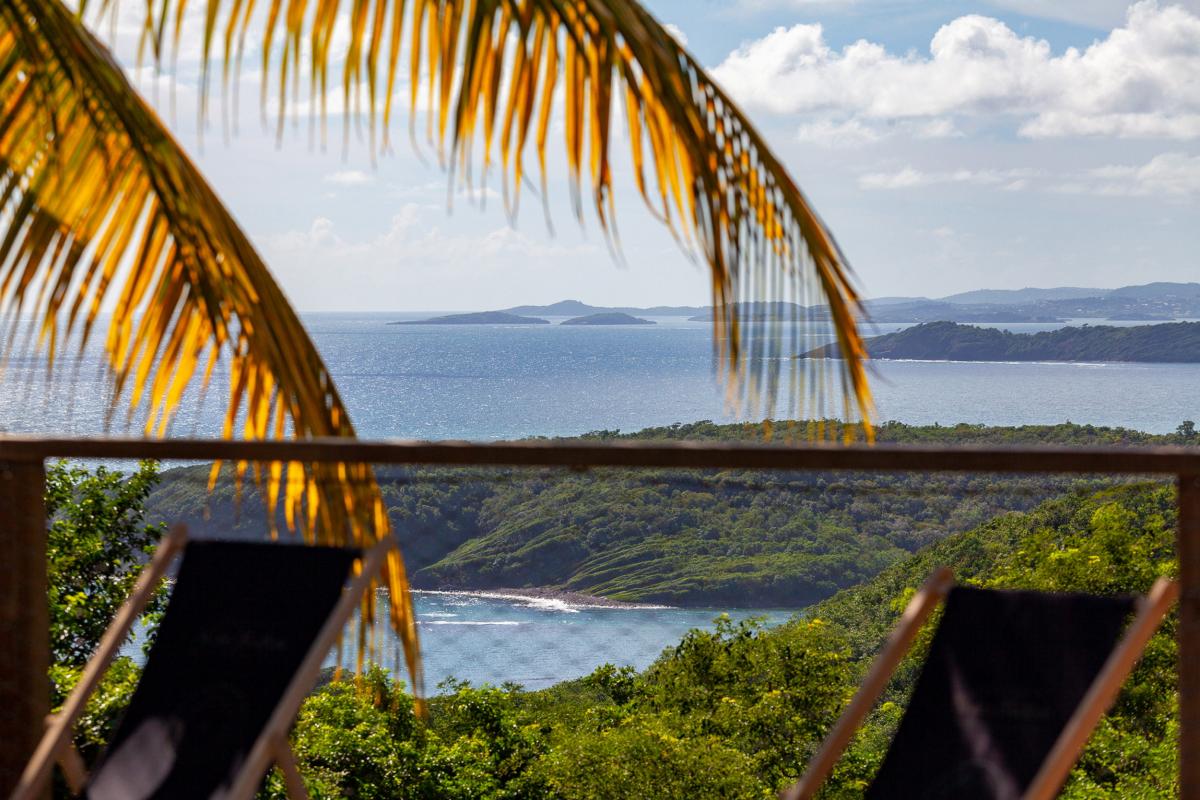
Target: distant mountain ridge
pixel 1156 301
pixel 1022 296
pixel 575 308
pixel 477 318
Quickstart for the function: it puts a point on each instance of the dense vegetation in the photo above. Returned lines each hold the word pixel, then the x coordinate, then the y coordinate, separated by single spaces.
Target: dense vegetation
pixel 97 541
pixel 1169 342
pixel 736 712
pixel 609 318
pixel 701 538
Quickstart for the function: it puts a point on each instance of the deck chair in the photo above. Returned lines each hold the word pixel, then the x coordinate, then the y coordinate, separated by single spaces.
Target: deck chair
pixel 1014 683
pixel 241 644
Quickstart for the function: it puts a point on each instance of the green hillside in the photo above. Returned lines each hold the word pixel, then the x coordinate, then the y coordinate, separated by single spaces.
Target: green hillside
pixel 1177 342
pixel 737 712
pixel 698 538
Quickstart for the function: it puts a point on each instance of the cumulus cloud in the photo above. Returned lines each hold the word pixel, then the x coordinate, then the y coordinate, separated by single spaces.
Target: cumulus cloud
pixel 1171 175
pixel 1142 80
pixel 418 241
pixel 416 261
pixel 833 133
pixel 909 177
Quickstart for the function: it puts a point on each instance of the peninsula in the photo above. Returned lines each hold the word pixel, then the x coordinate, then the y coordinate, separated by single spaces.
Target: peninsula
pixel 610 318
pixel 1177 342
pixel 478 318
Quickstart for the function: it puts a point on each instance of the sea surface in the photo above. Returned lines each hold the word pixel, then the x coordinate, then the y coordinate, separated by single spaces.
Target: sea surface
pixel 494 638
pixel 500 382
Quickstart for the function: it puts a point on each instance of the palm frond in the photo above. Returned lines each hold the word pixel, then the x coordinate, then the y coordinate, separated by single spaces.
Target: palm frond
pixel 492 69
pixel 102 209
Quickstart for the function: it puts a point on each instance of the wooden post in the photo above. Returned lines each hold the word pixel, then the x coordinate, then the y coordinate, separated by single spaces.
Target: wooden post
pixel 24 617
pixel 1188 547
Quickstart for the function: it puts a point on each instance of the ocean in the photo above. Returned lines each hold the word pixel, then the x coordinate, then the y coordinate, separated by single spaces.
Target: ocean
pixel 500 382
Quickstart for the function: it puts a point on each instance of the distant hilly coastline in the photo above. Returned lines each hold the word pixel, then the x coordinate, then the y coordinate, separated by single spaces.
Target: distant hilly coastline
pixel 1150 302
pixel 574 308
pixel 478 318
pixel 1177 342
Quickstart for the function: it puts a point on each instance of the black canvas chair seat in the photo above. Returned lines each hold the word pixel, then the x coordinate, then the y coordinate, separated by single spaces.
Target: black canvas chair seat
pixel 1005 672
pixel 1012 687
pixel 240 620
pixel 238 649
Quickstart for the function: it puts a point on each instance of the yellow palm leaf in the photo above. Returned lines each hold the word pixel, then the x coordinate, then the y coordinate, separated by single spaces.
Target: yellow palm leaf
pixel 491 70
pixel 102 208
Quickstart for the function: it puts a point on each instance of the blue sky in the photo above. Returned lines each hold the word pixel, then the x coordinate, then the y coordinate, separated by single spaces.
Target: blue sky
pixel 949 145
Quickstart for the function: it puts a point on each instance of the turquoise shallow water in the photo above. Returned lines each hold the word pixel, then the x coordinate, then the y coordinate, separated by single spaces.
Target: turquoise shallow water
pixel 537 643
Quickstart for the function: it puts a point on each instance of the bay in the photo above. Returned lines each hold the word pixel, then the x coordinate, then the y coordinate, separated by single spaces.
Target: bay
pixel 493 638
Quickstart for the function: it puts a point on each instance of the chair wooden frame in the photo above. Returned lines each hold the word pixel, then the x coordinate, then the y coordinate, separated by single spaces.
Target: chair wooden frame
pixel 272 743
pixel 1150 610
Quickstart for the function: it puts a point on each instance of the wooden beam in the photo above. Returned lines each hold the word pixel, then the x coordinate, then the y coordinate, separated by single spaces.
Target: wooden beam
pixel 1188 549
pixel 24 617
pixel 696 455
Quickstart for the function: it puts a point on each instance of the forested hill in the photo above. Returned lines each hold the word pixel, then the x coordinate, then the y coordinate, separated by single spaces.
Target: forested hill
pixel 697 538
pixel 1177 342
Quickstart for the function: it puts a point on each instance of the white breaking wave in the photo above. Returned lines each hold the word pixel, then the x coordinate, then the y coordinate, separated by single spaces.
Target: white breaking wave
pixel 538 603
pixel 469 622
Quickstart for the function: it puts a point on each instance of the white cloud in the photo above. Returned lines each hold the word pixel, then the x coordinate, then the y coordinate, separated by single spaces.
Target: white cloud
pixel 938 128
pixel 909 177
pixel 349 177
pixel 421 260
pixel 1142 80
pixel 831 133
pixel 1172 175
pixel 411 238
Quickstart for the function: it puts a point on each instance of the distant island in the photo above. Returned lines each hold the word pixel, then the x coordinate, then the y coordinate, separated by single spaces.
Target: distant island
pixel 574 308
pixel 1177 342
pixel 478 318
pixel 609 318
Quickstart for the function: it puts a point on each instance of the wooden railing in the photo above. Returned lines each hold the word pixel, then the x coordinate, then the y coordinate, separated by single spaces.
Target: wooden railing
pixel 24 626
